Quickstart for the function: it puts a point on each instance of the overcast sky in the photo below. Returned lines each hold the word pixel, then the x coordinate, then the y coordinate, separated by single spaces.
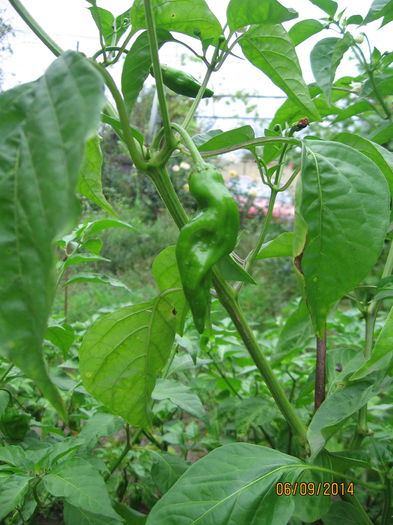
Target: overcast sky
pixel 71 26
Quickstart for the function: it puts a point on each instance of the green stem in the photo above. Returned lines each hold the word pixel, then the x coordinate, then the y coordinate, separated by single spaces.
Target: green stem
pixel 187 141
pixel 110 48
pixel 228 300
pixel 250 259
pixel 129 140
pixel 7 371
pixel 387 502
pixel 201 91
pixel 36 28
pixel 123 47
pixel 157 71
pixel 125 451
pixel 259 141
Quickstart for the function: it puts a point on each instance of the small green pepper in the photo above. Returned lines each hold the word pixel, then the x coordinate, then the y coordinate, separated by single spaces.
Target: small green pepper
pixel 209 236
pixel 182 83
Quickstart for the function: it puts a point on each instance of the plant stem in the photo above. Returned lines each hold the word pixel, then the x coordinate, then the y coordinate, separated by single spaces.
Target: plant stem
pixel 6 372
pixel 125 451
pixel 228 300
pixel 187 141
pixel 157 71
pixel 250 259
pixel 36 28
pixel 129 140
pixel 320 372
pixel 371 317
pixel 387 502
pixel 201 91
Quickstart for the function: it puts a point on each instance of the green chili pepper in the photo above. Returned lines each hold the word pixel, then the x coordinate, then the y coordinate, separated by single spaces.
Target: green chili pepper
pixel 208 237
pixel 182 83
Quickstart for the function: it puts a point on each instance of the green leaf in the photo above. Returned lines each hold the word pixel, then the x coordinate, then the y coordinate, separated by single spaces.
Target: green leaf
pixel 80 485
pixel 228 138
pixel 137 65
pixel 378 9
pixel 337 408
pixel 74 515
pixel 83 257
pixel 382 351
pixel 61 336
pixel 89 184
pixel 100 425
pixel 325 59
pixel 355 20
pixel 180 395
pixel 129 515
pixel 310 508
pixel 233 484
pixel 100 278
pixel 241 13
pixel 5 398
pixel 104 21
pixel 122 353
pixel 343 512
pixel 383 134
pixel 347 214
pixel 253 411
pixel 116 125
pixel 270 49
pixel 93 246
pixel 328 6
pixel 104 224
pixel 354 109
pixel 43 130
pixel 232 271
pixel 167 277
pixel 201 138
pixel 281 246
pixel 382 157
pixel 166 469
pixel 295 333
pixel 12 492
pixel 15 456
pixel 177 16
pixel 304 29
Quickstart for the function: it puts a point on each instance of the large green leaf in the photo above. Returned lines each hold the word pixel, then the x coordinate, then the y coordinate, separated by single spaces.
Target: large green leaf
pixel 76 515
pixel 382 134
pixel 12 492
pixel 180 395
pixel 43 130
pixel 177 16
pixel 122 353
pixel 104 21
pixel 304 29
pixel 233 484
pixel 270 49
pixel 80 485
pixel 354 109
pixel 345 513
pixel 90 184
pixel 241 13
pixel 336 408
pixel 382 157
pixel 345 204
pixel 381 354
pixel 137 64
pixel 326 57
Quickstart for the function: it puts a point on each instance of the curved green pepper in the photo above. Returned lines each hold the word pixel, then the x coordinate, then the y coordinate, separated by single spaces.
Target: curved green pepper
pixel 207 238
pixel 182 83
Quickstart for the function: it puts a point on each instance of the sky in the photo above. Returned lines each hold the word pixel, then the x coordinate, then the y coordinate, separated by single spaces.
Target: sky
pixel 71 26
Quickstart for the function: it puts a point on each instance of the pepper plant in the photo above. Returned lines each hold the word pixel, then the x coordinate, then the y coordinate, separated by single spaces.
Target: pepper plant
pixel 50 149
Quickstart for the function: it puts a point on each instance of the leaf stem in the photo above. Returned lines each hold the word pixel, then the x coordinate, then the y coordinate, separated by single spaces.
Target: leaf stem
pixel 125 450
pixel 320 372
pixel 201 91
pixel 157 71
pixel 129 140
pixel 36 28
pixel 187 141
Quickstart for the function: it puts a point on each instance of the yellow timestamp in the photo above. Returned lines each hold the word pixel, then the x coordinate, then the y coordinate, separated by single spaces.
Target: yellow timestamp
pixel 315 489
